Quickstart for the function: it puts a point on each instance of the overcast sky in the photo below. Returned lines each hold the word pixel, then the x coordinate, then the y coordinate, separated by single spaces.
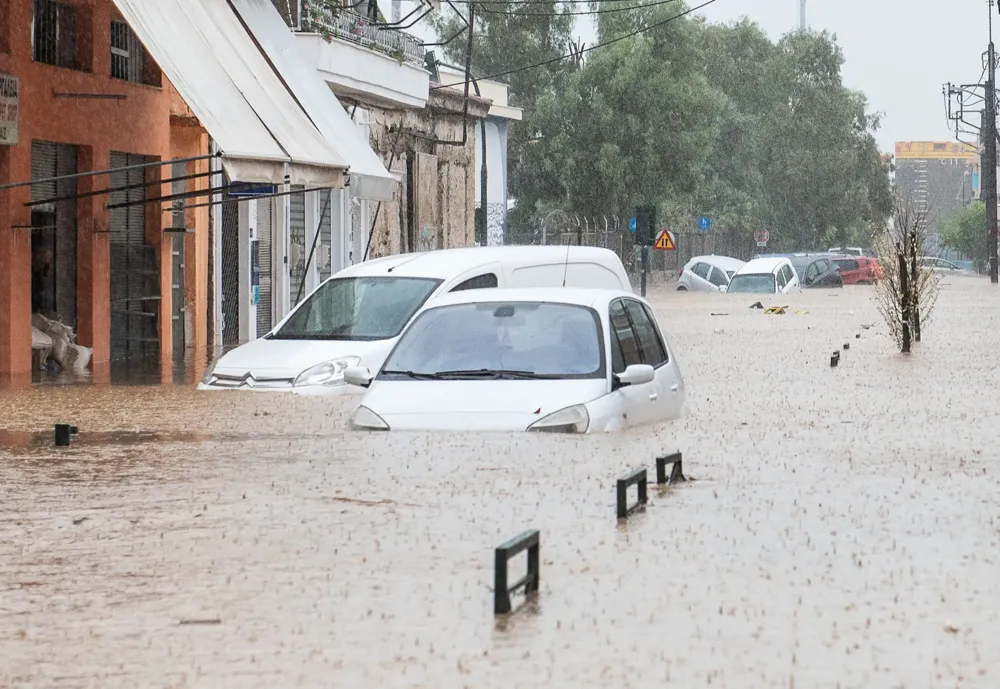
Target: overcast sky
pixel 898 52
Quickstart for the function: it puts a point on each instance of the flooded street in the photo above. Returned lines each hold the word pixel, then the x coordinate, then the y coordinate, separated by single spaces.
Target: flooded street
pixel 843 529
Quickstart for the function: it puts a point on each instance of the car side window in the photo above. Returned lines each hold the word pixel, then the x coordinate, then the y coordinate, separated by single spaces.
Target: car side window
pixel 701 270
pixel 780 278
pixel 623 339
pixel 484 281
pixel 788 274
pixel 812 271
pixel 649 340
pixel 718 278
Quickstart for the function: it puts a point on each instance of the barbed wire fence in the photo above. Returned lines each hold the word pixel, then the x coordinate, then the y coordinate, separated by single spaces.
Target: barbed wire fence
pixel 612 232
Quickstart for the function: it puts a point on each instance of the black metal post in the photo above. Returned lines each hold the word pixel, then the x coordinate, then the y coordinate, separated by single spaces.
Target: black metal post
pixel 676 469
pixel 989 164
pixel 637 477
pixel 64 432
pixel 530 541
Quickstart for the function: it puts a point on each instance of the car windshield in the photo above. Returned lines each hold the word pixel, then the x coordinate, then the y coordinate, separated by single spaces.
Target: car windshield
pixel 361 308
pixel 518 341
pixel 753 282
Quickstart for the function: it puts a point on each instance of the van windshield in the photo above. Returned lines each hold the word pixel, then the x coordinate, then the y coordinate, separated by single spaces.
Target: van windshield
pixel 361 308
pixel 753 282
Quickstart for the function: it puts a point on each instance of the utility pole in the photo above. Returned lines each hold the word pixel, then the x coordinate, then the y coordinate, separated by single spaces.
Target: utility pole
pixel 989 156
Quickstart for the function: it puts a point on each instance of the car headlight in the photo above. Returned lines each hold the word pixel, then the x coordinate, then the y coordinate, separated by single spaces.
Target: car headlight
pixel 573 419
pixel 328 373
pixel 365 419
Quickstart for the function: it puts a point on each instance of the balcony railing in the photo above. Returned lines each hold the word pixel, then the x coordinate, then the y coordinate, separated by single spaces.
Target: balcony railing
pixel 347 25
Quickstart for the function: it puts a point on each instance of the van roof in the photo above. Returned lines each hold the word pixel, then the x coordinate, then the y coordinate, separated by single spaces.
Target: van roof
pixel 580 296
pixel 447 263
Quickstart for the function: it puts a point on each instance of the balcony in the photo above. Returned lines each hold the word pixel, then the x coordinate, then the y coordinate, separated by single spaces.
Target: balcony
pixel 358 60
pixel 348 25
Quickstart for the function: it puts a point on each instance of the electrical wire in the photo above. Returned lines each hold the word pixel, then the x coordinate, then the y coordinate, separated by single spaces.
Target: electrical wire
pixel 624 8
pixel 553 60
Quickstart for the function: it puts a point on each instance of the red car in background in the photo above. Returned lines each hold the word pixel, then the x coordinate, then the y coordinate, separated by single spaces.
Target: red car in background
pixel 858 270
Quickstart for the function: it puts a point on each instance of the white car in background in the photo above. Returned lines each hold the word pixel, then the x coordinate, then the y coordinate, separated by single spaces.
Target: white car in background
pixel 552 360
pixel 708 273
pixel 354 318
pixel 766 276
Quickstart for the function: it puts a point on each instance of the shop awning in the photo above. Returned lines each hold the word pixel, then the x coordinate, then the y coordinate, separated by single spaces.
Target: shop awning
pixel 207 54
pixel 369 178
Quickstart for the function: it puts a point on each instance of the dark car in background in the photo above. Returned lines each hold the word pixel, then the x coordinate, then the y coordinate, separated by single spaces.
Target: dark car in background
pixel 816 270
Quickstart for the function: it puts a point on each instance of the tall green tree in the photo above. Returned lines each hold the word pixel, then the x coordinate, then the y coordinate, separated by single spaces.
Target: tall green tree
pixel 966 232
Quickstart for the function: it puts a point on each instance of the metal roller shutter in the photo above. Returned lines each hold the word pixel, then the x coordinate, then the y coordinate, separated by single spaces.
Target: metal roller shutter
pixel 135 274
pixel 230 272
pixel 265 237
pixel 297 248
pixel 324 250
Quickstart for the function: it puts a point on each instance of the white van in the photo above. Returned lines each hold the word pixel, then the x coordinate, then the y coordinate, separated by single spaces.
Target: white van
pixel 355 317
pixel 766 276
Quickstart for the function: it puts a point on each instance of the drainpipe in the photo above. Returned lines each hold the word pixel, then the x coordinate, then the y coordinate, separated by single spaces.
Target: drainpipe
pixel 482 172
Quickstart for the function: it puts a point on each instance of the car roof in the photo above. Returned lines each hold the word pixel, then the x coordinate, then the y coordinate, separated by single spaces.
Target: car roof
pixel 762 265
pixel 447 263
pixel 579 296
pixel 726 262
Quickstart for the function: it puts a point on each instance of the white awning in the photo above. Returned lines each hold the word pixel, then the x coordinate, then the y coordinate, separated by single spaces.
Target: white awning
pixel 369 178
pixel 207 54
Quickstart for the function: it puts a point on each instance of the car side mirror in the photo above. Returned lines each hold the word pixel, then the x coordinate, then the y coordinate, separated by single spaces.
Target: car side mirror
pixel 358 375
pixel 636 374
pixel 723 288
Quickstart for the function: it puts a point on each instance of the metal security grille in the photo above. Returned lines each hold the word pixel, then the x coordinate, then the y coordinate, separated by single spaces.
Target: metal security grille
pixel 325 248
pixel 128 57
pixel 297 242
pixel 54 34
pixel 178 303
pixel 135 274
pixel 265 237
pixel 56 224
pixel 230 272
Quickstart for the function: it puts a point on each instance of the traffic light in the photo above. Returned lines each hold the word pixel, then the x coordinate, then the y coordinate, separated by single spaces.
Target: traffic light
pixel 645 222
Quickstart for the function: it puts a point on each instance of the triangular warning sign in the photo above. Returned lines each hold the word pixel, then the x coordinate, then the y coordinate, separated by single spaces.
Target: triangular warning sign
pixel 665 241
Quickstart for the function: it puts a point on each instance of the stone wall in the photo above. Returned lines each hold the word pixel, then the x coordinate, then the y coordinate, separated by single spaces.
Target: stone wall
pixel 443 179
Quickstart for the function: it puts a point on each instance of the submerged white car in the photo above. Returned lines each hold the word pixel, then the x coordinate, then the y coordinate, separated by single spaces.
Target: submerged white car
pixel 355 317
pixel 708 273
pixel 554 360
pixel 765 276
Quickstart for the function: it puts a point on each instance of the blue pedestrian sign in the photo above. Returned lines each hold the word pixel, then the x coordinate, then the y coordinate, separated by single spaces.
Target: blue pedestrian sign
pixel 704 223
pixel 631 225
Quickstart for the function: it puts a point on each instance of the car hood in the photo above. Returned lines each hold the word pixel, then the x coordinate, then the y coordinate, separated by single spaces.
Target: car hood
pixel 476 405
pixel 291 357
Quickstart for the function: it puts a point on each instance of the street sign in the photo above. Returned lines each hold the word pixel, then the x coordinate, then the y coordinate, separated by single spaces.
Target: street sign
pixel 704 223
pixel 665 241
pixel 761 237
pixel 251 189
pixel 631 225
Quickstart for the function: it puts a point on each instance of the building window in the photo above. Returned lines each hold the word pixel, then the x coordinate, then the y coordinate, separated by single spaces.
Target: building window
pixel 4 26
pixel 56 34
pixel 129 61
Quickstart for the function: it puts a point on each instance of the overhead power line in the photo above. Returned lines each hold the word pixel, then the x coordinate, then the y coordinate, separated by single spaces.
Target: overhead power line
pixel 605 10
pixel 553 60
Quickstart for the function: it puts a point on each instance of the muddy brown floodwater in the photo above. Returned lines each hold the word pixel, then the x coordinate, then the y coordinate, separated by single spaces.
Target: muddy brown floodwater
pixel 842 531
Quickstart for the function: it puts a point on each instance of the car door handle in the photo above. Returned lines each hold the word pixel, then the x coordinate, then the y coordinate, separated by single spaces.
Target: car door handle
pixel 674 387
pixel 653 397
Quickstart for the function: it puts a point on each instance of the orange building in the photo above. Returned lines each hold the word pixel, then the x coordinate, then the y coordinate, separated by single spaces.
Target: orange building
pixel 105 252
